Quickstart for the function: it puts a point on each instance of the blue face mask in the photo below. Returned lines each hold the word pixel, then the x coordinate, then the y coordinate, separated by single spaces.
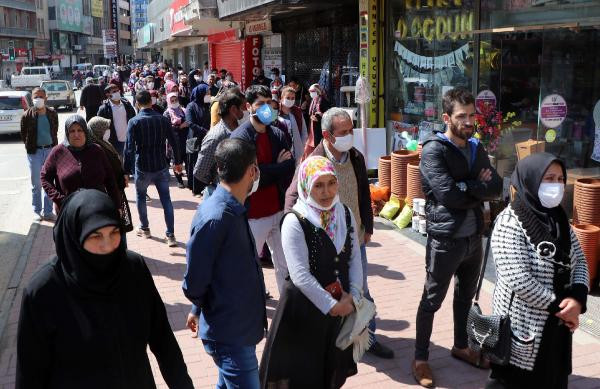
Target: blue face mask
pixel 265 114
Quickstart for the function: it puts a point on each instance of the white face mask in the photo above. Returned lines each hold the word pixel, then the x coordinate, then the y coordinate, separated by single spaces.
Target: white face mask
pixel 255 185
pixel 313 203
pixel 154 101
pixel 228 78
pixel 551 194
pixel 39 103
pixel 115 96
pixel 288 103
pixel 150 85
pixel 344 143
pixel 313 95
pixel 198 78
pixel 174 105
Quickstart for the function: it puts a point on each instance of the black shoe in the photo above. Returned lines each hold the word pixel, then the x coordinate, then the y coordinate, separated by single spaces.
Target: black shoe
pixel 381 351
pixel 180 185
pixel 268 295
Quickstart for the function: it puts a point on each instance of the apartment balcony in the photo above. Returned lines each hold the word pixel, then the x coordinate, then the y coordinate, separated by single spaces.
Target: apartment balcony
pixel 16 32
pixel 18 4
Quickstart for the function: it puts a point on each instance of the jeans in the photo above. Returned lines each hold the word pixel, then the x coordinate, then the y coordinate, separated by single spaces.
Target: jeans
pixel 266 229
pixel 445 258
pixel 363 256
pixel 160 179
pixel 38 195
pixel 238 366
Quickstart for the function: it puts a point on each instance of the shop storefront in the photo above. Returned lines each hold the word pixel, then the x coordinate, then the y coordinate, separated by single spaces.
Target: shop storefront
pixel 532 60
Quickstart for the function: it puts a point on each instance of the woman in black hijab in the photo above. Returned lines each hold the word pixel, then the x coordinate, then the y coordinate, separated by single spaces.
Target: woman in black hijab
pixel 542 277
pixel 88 315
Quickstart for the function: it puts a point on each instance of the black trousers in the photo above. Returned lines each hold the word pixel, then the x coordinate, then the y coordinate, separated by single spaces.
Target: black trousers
pixel 446 258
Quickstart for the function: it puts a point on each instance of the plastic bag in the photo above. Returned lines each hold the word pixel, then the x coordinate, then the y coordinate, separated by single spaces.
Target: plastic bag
pixel 391 208
pixel 404 218
pixel 379 192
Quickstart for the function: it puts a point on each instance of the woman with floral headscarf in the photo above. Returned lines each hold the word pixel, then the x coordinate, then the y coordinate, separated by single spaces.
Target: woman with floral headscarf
pixel 76 164
pixel 322 252
pixel 318 105
pixel 176 115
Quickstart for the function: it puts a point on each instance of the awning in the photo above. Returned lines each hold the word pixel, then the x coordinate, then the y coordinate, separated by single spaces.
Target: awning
pixel 228 8
pixel 255 10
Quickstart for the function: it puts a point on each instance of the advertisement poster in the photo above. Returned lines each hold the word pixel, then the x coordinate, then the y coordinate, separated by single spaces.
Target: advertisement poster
pixel 553 111
pixel 177 21
pixel 485 97
pixel 97 9
pixel 68 17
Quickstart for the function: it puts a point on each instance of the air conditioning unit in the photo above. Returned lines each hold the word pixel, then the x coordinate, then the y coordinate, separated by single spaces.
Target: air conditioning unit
pixel 76 47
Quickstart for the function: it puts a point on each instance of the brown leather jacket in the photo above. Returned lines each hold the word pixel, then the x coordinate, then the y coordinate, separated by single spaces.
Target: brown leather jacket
pixel 29 128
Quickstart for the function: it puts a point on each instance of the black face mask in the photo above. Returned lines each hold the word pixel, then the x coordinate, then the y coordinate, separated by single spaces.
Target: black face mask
pixel 101 264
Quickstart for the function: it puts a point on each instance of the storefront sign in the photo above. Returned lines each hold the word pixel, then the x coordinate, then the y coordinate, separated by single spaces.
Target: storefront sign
pixel 596 116
pixel 550 135
pixel 69 14
pixel 250 59
pixel 97 9
pixel 176 16
pixel 363 23
pixel 447 19
pixel 114 15
pixel 485 97
pixel 553 111
pixel 232 7
pixel 260 27
pixel 109 41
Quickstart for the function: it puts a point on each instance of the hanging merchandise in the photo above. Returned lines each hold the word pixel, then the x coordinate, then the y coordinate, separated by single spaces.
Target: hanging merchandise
pixel 362 96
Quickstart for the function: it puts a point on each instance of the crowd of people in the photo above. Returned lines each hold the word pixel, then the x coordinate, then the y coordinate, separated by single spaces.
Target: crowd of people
pixel 277 173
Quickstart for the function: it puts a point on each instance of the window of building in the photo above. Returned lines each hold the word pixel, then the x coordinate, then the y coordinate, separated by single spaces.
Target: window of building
pixel 51 13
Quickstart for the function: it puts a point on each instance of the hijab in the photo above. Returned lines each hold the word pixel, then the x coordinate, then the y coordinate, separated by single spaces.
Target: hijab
pixel 198 94
pixel 315 104
pixel 169 96
pixel 333 221
pixel 82 213
pixel 541 223
pixel 88 135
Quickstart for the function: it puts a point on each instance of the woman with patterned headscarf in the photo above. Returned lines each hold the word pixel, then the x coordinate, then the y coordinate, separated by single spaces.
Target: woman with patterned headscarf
pixel 176 116
pixel 318 105
pixel 76 164
pixel 322 252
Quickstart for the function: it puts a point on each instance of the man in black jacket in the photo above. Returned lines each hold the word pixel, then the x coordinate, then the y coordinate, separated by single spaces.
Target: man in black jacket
pixel 276 165
pixel 457 178
pixel 120 111
pixel 91 98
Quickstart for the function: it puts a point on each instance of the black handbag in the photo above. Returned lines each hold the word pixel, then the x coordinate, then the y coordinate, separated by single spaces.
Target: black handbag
pixel 490 335
pixel 125 213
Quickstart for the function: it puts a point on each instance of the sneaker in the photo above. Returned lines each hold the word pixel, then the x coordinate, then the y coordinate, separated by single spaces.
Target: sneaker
pixel 423 375
pixel 171 242
pixel 49 217
pixel 37 217
pixel 180 185
pixel 198 195
pixel 381 351
pixel 144 232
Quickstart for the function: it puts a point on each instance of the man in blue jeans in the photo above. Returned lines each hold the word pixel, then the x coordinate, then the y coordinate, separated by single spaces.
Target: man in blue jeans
pixel 223 278
pixel 146 152
pixel 39 128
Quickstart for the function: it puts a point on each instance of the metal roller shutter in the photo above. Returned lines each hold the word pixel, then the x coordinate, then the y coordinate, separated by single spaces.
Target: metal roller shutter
pixel 229 56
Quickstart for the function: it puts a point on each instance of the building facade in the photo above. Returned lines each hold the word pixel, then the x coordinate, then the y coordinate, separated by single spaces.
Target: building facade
pixel 18 31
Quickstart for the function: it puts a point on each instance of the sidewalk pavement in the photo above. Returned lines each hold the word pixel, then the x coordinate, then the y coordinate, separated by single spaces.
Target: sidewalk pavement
pixel 396 275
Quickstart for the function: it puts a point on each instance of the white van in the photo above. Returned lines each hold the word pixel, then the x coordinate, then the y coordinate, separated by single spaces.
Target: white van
pixel 30 77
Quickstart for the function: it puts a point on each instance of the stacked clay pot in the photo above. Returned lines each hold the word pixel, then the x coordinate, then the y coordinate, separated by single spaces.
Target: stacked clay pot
pixel 400 160
pixel 384 171
pixel 586 201
pixel 414 189
pixel 588 236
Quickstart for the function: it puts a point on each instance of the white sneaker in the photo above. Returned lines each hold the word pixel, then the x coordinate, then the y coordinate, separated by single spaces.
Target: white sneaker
pixel 37 217
pixel 171 242
pixel 144 232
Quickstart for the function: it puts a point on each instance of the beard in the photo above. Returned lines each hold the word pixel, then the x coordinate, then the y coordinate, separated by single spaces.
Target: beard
pixel 464 132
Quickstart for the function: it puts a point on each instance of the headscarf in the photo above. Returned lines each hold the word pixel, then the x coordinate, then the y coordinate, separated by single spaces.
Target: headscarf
pixel 88 135
pixel 315 104
pixel 82 213
pixel 172 94
pixel 537 219
pixel 333 222
pixel 89 81
pixel 198 93
pixel 98 127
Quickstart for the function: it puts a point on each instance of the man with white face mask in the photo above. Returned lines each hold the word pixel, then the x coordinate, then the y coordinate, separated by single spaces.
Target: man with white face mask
pixel 338 146
pixel 119 111
pixel 39 128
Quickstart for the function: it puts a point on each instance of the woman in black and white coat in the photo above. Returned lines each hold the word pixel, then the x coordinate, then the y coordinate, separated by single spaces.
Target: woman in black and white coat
pixel 540 267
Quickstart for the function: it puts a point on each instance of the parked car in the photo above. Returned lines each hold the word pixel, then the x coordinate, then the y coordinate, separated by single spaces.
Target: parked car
pixel 60 94
pixel 13 105
pixel 30 77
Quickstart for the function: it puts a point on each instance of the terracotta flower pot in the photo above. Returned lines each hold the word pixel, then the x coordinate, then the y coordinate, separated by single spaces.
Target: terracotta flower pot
pixel 586 201
pixel 588 236
pixel 414 188
pixel 384 171
pixel 400 160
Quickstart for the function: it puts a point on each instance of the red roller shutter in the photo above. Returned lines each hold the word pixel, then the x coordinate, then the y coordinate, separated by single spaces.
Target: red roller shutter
pixel 228 56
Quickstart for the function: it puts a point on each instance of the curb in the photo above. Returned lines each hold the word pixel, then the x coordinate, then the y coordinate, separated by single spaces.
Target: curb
pixel 15 279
